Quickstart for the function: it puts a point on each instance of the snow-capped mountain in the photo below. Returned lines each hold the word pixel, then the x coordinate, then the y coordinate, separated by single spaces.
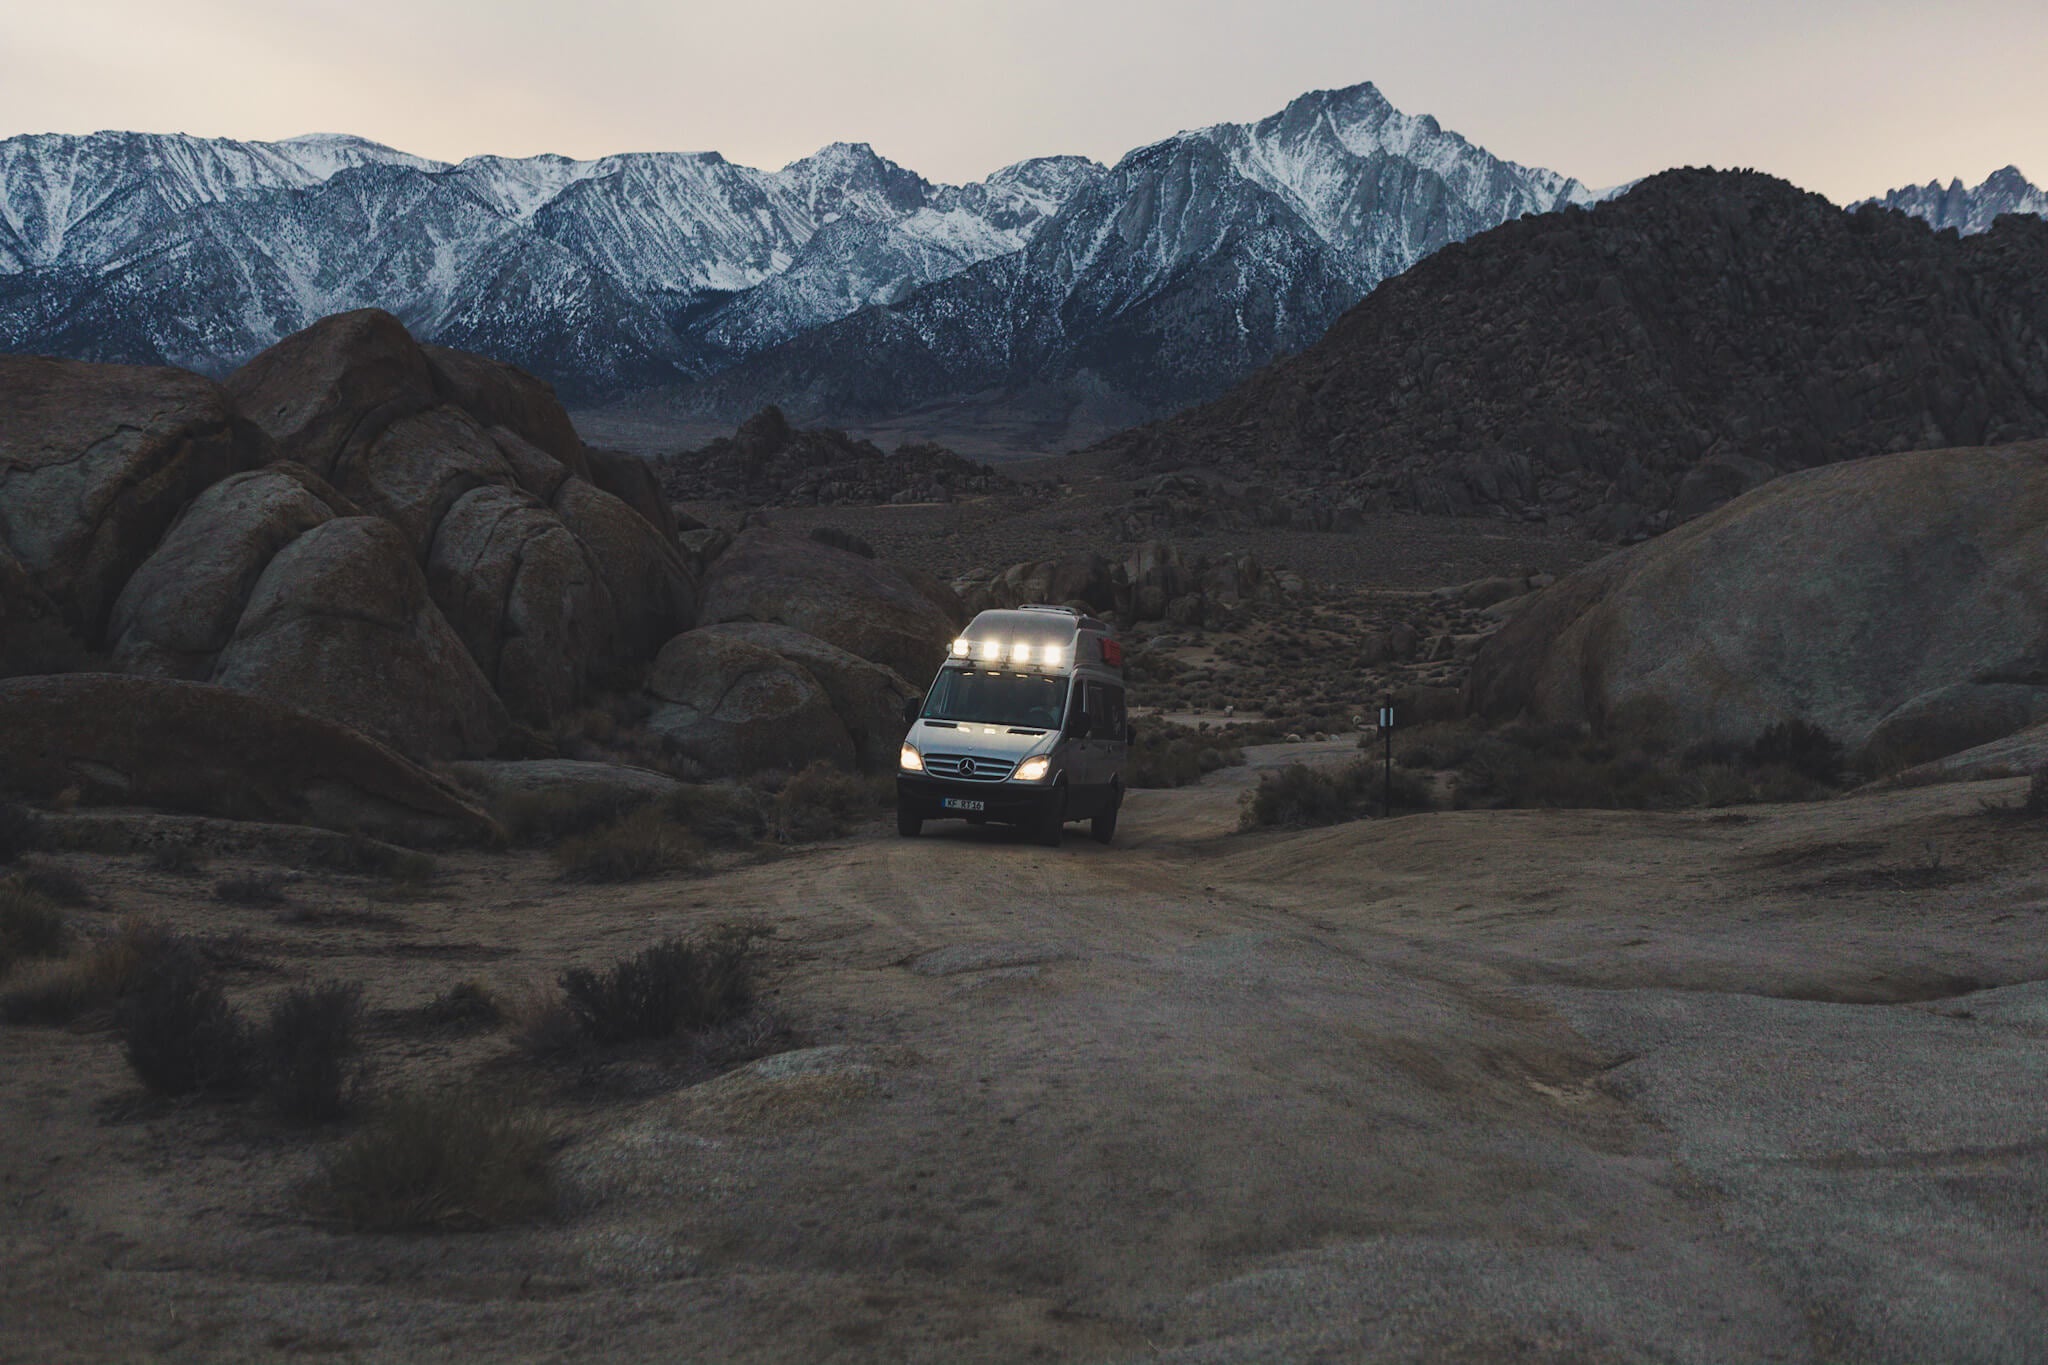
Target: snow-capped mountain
pixel 1191 263
pixel 1969 211
pixel 842 284
pixel 602 275
pixel 77 201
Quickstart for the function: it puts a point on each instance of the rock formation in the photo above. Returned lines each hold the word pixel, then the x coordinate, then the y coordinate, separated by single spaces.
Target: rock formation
pixel 1895 602
pixel 737 707
pixel 863 607
pixel 1154 582
pixel 214 751
pixel 769 463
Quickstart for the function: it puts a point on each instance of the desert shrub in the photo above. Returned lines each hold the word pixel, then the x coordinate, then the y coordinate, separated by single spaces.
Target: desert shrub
pixel 182 858
pixel 408 867
pixel 258 888
pixel 1567 766
pixel 20 831
pixel 52 881
pixel 95 975
pixel 821 802
pixel 721 815
pixel 1802 746
pixel 1170 755
pixel 1299 796
pixel 543 1027
pixel 458 1160
pixel 1439 745
pixel 673 987
pixel 544 817
pixel 178 1031
pixel 464 1005
pixel 310 1049
pixel 31 925
pixel 361 854
pixel 643 844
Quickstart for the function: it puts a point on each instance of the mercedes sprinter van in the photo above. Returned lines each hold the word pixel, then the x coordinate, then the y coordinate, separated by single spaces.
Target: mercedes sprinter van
pixel 1024 725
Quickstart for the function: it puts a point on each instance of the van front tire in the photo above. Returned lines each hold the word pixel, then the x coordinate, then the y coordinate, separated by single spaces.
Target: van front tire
pixel 1103 827
pixel 1052 821
pixel 907 824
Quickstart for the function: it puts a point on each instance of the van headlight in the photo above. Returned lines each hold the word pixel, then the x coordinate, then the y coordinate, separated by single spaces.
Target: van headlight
pixel 1033 769
pixel 910 760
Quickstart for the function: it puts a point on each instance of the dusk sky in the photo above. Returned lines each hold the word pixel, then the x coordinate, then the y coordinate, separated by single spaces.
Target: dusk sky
pixel 1848 97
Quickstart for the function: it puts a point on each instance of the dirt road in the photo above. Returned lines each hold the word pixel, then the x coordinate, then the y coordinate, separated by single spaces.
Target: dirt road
pixel 1769 1085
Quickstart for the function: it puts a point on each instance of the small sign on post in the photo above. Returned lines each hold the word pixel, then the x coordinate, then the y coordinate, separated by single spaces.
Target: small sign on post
pixel 1387 781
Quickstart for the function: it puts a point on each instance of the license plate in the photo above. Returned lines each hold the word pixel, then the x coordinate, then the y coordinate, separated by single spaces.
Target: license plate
pixel 960 803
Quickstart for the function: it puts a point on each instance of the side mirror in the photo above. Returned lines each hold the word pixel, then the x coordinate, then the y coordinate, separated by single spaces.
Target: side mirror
pixel 1077 728
pixel 911 707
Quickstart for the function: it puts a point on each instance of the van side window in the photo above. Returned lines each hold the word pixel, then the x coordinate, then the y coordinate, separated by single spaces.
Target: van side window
pixel 1105 707
pixel 1112 714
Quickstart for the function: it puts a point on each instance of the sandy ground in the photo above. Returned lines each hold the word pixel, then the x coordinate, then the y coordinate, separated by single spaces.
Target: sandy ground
pixel 1768 1085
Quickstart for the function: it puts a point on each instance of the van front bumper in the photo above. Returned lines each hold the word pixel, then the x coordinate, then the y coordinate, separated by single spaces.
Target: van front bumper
pixel 925 797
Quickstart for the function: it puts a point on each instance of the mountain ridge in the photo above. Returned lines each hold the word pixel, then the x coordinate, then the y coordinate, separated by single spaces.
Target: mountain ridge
pixel 1623 367
pixel 646 269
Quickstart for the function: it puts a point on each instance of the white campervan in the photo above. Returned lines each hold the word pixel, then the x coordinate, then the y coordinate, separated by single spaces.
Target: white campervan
pixel 1023 725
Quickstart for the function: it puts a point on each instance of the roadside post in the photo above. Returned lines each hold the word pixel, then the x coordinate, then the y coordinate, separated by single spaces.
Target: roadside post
pixel 1387 781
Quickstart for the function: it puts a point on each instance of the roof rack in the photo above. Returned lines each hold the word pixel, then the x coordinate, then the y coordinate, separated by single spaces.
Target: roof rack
pixel 1046 606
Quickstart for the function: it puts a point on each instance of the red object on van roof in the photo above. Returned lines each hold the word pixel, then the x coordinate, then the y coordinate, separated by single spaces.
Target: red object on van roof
pixel 1113 653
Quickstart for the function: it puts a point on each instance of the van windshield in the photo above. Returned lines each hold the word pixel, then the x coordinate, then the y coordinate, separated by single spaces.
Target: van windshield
pixel 1024 702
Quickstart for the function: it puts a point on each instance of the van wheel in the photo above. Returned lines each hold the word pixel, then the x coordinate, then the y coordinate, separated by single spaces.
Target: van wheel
pixel 908 825
pixel 1103 827
pixel 1052 822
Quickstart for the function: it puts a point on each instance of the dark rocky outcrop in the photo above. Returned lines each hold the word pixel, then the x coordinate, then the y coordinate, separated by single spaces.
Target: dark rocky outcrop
pixel 768 462
pixel 1895 602
pixel 867 697
pixel 590 786
pixel 181 607
pixel 340 624
pixel 857 604
pixel 215 751
pixel 501 395
pixel 95 462
pixel 1622 367
pixel 33 636
pixel 325 393
pixel 739 707
pixel 653 587
pixel 633 481
pixel 526 598
pixel 1155 581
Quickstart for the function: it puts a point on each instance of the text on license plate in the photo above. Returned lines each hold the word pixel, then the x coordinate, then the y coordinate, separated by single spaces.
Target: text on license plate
pixel 961 803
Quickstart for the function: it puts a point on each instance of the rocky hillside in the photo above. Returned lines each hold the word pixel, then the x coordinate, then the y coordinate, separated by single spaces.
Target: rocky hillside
pixel 276 597
pixel 1624 367
pixel 1190 263
pixel 769 463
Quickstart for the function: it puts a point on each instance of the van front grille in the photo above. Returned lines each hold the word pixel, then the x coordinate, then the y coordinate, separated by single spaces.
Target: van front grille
pixel 968 766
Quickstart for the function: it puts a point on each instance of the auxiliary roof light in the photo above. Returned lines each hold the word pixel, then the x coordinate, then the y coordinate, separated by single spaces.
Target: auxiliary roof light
pixel 1055 656
pixel 1021 654
pixel 992 650
pixel 960 648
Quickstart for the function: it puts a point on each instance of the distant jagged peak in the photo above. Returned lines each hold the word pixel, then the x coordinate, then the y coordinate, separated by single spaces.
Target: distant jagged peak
pixel 852 178
pixel 2005 190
